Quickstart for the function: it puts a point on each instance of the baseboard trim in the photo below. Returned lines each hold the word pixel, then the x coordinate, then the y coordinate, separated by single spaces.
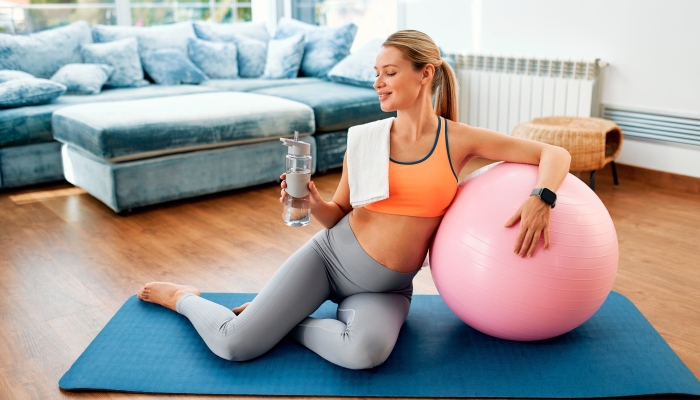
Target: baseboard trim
pixel 651 177
pixel 660 179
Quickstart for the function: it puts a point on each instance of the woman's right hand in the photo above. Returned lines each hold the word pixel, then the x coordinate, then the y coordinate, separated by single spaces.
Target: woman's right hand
pixel 314 197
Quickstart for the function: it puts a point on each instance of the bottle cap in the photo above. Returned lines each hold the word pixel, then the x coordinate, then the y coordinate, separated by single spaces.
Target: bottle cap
pixel 297 147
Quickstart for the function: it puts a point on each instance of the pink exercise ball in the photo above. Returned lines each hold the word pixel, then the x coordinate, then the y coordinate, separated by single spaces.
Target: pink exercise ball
pixel 501 294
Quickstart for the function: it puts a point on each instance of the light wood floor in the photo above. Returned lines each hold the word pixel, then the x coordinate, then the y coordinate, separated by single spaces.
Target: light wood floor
pixel 67 263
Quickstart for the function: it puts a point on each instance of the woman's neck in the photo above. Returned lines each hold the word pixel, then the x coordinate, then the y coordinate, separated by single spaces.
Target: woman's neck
pixel 418 120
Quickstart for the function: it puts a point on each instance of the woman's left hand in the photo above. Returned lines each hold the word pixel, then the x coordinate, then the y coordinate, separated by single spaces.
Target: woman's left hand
pixel 534 221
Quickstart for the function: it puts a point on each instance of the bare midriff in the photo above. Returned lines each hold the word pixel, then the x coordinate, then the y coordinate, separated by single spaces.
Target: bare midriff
pixel 398 242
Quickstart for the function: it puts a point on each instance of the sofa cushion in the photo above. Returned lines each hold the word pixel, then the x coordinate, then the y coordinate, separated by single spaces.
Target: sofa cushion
pixel 248 84
pixel 8 75
pixel 83 78
pixel 358 67
pixel 218 60
pixel 171 67
pixel 324 46
pixel 43 53
pixel 136 183
pixel 336 106
pixel 150 38
pixel 128 130
pixel 252 54
pixel 26 125
pixel 284 57
pixel 223 32
pixel 26 92
pixel 123 56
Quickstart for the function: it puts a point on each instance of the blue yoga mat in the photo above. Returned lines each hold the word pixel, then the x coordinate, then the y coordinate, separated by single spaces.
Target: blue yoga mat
pixel 148 348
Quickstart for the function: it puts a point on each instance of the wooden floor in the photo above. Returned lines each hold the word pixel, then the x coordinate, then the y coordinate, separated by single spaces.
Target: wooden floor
pixel 67 263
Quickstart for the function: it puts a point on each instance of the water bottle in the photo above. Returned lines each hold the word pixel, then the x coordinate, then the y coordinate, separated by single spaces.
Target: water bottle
pixel 296 210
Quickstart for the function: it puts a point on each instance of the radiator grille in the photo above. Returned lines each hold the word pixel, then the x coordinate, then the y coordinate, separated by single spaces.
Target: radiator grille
pixel 655 125
pixel 498 92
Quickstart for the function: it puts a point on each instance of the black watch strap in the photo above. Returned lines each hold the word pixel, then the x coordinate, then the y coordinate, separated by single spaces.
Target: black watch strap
pixel 546 195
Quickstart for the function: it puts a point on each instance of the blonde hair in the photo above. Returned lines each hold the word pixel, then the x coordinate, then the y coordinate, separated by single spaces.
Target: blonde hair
pixel 420 49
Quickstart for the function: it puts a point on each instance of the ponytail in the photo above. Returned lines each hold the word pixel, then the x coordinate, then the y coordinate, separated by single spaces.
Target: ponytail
pixel 420 49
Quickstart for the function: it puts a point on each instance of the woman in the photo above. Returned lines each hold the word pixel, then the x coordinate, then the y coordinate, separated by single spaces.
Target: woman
pixel 367 257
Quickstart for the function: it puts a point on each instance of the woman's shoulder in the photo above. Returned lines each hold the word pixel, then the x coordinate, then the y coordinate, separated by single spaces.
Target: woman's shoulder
pixel 378 125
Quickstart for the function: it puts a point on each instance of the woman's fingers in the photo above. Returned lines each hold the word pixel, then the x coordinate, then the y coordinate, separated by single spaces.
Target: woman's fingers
pixel 526 243
pixel 519 239
pixel 283 195
pixel 514 218
pixel 535 241
pixel 546 237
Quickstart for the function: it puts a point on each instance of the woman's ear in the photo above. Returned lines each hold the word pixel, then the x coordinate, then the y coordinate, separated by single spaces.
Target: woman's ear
pixel 428 73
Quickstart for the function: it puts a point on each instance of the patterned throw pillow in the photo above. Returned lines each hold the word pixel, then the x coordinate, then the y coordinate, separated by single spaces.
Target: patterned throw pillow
pixel 324 46
pixel 27 92
pixel 284 57
pixel 83 78
pixel 223 32
pixel 43 53
pixel 123 56
pixel 8 75
pixel 358 68
pixel 251 53
pixel 251 56
pixel 151 38
pixel 171 67
pixel 216 59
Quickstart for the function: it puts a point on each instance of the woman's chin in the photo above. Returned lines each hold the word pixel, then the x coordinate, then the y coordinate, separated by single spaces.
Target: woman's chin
pixel 386 107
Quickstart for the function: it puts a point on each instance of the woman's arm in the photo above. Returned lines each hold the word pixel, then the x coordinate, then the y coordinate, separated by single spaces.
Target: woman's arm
pixel 553 164
pixel 328 213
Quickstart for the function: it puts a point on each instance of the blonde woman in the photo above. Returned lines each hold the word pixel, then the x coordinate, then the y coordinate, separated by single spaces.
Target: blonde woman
pixel 367 257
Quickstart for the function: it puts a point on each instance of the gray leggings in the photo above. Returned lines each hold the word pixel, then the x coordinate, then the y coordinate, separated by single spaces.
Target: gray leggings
pixel 373 303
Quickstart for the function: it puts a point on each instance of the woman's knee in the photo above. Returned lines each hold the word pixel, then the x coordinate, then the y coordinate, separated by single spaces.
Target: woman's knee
pixel 369 351
pixel 237 349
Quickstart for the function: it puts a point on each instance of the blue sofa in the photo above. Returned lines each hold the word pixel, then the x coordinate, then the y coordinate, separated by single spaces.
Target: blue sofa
pixel 30 153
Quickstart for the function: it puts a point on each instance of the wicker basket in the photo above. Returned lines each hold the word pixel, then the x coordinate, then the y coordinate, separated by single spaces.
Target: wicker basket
pixel 592 142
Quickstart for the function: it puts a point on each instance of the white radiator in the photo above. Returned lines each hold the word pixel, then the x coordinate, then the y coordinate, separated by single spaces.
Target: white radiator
pixel 499 92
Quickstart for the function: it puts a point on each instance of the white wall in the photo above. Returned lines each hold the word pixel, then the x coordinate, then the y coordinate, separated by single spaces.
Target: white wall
pixel 651 45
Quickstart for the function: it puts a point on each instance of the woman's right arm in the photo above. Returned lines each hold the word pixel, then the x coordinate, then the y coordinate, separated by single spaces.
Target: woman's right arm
pixel 328 213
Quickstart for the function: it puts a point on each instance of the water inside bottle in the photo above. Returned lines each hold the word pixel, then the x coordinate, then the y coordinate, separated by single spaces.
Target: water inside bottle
pixel 296 210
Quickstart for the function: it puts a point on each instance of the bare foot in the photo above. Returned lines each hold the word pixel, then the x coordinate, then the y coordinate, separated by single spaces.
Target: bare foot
pixel 165 293
pixel 240 308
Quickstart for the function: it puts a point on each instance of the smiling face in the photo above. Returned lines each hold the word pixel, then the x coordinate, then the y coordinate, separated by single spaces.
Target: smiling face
pixel 398 84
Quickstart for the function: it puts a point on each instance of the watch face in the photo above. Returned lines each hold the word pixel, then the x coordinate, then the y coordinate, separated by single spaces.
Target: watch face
pixel 548 196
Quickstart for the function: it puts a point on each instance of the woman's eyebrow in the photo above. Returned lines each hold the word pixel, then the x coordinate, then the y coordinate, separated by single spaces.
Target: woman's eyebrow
pixel 387 65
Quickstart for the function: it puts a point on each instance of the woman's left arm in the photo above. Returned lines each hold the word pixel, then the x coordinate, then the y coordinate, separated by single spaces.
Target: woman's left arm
pixel 553 164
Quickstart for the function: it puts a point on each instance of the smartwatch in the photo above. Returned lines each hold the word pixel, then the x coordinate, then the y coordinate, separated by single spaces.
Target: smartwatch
pixel 546 195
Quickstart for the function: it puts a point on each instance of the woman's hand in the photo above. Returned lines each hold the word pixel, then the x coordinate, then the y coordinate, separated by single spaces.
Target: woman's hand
pixel 534 221
pixel 314 197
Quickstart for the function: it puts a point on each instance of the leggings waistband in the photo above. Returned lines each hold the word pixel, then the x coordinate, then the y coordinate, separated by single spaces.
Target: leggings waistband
pixel 347 259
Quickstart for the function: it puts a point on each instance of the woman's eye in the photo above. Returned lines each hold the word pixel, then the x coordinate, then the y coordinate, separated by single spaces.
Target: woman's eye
pixel 392 74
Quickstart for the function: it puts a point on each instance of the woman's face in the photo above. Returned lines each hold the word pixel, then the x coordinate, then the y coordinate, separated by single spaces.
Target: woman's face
pixel 397 84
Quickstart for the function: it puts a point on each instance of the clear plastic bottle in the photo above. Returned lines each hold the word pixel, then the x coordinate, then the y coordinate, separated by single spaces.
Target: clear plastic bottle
pixel 296 210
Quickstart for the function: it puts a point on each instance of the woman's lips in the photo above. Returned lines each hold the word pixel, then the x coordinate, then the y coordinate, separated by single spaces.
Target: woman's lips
pixel 383 96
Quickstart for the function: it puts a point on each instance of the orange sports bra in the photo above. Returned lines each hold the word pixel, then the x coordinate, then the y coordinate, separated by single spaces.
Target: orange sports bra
pixel 423 188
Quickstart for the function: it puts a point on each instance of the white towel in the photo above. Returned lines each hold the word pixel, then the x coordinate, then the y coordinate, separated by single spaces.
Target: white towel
pixel 368 162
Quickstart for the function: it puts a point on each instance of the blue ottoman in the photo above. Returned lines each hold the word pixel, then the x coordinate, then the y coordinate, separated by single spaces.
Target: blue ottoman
pixel 135 153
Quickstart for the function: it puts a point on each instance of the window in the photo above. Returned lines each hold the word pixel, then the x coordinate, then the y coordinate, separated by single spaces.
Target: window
pixel 26 16
pixel 374 18
pixel 150 12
